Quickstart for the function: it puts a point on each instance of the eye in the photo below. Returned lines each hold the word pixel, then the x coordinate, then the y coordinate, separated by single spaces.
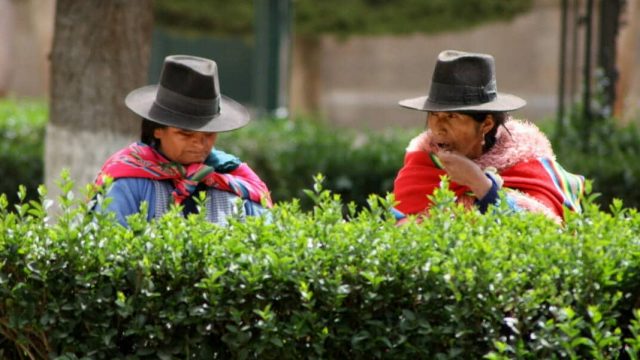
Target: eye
pixel 439 115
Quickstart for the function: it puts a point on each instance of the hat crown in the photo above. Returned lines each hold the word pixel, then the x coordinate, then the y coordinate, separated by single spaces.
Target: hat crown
pixel 461 78
pixel 189 86
pixel 465 69
pixel 190 76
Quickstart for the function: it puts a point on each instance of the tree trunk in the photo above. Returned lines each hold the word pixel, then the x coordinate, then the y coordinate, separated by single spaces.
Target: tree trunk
pixel 41 17
pixel 304 95
pixel 626 57
pixel 100 52
pixel 6 44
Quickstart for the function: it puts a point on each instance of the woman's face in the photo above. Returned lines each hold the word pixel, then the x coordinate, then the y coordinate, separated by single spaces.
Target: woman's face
pixel 185 146
pixel 457 132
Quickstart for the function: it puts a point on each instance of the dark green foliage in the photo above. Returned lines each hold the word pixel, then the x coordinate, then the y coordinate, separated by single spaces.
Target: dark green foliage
pixel 399 17
pixel 22 127
pixel 338 16
pixel 287 154
pixel 311 285
pixel 214 17
pixel 609 157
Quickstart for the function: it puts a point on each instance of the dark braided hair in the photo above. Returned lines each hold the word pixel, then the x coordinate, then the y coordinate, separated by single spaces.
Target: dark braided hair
pixel 146 133
pixel 498 117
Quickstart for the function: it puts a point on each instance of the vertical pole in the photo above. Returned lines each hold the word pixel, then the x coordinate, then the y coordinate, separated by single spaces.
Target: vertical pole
pixel 577 21
pixel 608 33
pixel 562 75
pixel 271 60
pixel 587 115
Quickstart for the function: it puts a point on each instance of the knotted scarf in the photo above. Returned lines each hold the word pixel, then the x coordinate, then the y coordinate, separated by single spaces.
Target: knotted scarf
pixel 220 171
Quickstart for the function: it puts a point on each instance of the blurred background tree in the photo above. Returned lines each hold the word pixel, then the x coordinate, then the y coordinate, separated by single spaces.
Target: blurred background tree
pixel 221 17
pixel 100 52
pixel 218 17
pixel 311 19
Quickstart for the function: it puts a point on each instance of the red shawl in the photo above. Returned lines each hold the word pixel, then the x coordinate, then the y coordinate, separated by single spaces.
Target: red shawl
pixel 523 159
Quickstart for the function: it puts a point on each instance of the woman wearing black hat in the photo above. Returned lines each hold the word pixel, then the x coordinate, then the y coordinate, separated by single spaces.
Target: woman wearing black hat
pixel 175 158
pixel 471 138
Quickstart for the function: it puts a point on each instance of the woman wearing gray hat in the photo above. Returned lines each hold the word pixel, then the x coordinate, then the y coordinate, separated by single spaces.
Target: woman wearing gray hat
pixel 175 158
pixel 471 138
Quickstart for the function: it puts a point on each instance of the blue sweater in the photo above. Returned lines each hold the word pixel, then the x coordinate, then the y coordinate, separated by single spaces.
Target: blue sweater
pixel 127 194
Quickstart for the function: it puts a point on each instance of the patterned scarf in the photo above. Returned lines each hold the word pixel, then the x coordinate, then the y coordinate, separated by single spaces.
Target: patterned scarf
pixel 139 160
pixel 543 179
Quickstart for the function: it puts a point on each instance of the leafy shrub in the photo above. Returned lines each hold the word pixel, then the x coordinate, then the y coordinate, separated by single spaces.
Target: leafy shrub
pixel 287 154
pixel 22 126
pixel 314 285
pixel 609 156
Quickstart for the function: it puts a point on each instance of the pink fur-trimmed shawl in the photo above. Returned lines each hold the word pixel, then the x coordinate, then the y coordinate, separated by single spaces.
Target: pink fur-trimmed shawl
pixel 522 156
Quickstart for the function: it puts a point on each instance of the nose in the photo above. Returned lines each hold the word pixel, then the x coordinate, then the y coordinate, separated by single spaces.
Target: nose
pixel 199 139
pixel 206 140
pixel 435 123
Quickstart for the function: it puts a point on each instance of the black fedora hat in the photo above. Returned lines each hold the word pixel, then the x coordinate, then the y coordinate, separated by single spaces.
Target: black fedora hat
pixel 188 97
pixel 464 81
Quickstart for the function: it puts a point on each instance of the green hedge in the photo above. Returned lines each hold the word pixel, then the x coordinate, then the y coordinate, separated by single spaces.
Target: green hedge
pixel 22 126
pixel 311 285
pixel 609 157
pixel 286 154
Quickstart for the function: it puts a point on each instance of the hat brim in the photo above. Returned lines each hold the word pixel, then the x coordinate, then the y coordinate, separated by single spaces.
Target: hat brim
pixel 503 102
pixel 232 114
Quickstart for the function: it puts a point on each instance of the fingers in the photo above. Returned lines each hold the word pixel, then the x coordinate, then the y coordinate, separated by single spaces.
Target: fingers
pixel 449 157
pixel 460 168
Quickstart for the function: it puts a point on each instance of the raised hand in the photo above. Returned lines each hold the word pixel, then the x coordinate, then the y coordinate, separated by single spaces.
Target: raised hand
pixel 465 172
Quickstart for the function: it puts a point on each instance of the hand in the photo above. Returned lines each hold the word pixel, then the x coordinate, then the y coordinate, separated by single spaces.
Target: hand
pixel 465 172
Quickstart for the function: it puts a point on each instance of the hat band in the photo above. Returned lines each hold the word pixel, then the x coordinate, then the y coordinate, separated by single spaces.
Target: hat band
pixel 462 94
pixel 173 101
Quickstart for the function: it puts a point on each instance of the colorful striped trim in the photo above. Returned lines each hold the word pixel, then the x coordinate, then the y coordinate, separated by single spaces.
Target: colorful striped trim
pixel 571 186
pixel 142 161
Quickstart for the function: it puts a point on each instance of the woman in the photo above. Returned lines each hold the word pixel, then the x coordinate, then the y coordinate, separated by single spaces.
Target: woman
pixel 471 138
pixel 175 159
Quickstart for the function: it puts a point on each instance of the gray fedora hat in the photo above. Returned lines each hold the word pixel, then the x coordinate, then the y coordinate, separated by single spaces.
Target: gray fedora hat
pixel 464 81
pixel 188 97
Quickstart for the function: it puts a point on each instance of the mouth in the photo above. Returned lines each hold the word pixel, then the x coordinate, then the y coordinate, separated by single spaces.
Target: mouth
pixel 197 154
pixel 439 146
pixel 195 151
